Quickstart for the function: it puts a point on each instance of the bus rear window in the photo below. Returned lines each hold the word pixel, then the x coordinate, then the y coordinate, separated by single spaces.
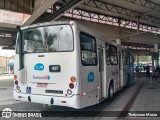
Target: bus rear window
pixel 56 38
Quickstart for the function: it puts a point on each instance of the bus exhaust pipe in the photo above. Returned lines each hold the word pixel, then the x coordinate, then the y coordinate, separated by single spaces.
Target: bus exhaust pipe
pixel 51 101
pixel 29 98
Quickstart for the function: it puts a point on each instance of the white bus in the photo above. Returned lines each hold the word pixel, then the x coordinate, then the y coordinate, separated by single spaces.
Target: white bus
pixel 66 64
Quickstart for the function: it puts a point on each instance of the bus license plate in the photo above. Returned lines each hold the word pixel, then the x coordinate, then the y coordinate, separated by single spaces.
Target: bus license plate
pixel 42 85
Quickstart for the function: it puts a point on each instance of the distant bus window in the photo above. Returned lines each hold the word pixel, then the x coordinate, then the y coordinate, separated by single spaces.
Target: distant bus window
pixel 88 50
pixel 124 58
pixel 113 55
pixel 107 54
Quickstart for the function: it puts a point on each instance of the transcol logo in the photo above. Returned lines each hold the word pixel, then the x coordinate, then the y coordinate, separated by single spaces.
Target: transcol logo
pixel 46 77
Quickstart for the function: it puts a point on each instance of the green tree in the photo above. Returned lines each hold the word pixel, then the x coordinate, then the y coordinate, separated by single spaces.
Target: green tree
pixel 145 58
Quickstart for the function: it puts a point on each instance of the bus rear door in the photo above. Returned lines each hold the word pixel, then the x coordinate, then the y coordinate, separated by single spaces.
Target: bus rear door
pixel 101 72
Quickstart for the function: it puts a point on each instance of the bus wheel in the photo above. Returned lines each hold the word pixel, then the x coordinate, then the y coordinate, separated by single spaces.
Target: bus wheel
pixel 110 92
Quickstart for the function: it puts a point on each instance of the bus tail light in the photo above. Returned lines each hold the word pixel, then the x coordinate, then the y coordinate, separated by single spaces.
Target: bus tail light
pixel 71 85
pixel 15 77
pixel 16 82
pixel 97 88
pixel 82 94
pixel 73 79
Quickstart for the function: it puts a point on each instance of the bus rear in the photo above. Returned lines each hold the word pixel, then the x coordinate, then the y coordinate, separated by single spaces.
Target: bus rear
pixel 45 65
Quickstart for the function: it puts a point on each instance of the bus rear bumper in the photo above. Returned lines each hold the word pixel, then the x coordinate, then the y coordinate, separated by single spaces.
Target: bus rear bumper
pixel 73 102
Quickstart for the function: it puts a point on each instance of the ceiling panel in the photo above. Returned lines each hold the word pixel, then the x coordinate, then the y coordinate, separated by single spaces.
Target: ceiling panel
pixel 22 6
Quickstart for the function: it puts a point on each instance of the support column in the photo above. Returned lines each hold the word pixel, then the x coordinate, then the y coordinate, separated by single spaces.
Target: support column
pixel 153 65
pixel 118 41
pixel 137 58
pixel 156 50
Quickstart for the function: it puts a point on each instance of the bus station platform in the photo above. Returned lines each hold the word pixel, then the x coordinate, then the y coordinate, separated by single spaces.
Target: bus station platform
pixel 140 101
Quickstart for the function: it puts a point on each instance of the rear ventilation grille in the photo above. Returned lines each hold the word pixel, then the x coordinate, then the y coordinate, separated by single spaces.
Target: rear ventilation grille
pixel 54 91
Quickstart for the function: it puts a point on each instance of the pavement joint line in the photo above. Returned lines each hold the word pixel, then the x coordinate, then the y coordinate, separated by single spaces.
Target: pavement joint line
pixel 2 88
pixel 117 98
pixel 7 100
pixel 126 109
pixel 6 85
pixel 113 102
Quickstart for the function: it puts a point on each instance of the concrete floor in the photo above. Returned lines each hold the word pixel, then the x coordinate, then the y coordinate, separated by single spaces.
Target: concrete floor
pixel 143 96
pixel 147 100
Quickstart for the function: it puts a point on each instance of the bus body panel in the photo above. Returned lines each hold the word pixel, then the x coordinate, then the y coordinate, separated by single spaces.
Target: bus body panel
pixel 55 80
pixel 88 88
pixel 59 81
pixel 73 101
pixel 112 74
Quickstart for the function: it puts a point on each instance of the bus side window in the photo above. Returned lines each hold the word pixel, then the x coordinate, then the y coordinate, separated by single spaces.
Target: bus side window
pixel 88 50
pixel 107 54
pixel 124 58
pixel 113 55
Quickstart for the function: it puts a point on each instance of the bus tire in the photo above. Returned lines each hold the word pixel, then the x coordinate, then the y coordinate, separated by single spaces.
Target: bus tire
pixel 110 92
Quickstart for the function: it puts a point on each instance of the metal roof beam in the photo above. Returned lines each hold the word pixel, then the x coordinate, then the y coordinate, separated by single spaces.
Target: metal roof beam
pixel 7 41
pixel 105 19
pixel 146 4
pixel 20 6
pixel 8 30
pixel 122 11
pixel 58 13
pixel 7 25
